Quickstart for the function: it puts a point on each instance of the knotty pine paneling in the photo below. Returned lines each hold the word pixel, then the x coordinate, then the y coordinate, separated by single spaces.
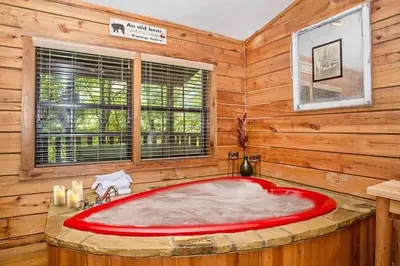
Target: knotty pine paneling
pixel 377 122
pixel 226 124
pixel 230 97
pixel 266 51
pixel 363 144
pixel 20 241
pixel 267 66
pixel 26 225
pixel 3 229
pixel 10 36
pixel 71 29
pixel 344 149
pixel 10 78
pixel 305 13
pixel 230 110
pixel 384 9
pixel 24 204
pixel 384 99
pixel 10 121
pixel 354 164
pixel 338 182
pixel 27 255
pixel 268 99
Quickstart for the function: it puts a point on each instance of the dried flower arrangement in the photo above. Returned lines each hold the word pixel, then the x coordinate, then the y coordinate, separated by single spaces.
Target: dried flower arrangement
pixel 242 137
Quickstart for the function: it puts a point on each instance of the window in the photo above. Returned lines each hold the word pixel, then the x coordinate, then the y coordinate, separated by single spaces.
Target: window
pixel 83 108
pixel 79 101
pixel 175 112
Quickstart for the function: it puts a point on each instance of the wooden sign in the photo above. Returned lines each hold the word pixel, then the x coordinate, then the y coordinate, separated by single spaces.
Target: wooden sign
pixel 137 31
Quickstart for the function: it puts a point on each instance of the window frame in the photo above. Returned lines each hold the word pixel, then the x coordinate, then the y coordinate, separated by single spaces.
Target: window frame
pixel 71 149
pixel 29 171
pixel 137 112
pixel 204 114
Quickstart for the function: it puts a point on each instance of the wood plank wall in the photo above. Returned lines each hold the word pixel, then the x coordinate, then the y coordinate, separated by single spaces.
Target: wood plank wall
pixel 346 149
pixel 343 150
pixel 24 204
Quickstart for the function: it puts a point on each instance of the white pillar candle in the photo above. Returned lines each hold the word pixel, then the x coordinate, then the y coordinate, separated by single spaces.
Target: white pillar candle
pixel 72 199
pixel 77 187
pixel 59 195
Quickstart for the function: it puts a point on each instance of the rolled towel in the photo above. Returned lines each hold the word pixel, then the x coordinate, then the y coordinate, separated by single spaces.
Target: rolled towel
pixel 121 191
pixel 112 176
pixel 119 183
pixel 127 177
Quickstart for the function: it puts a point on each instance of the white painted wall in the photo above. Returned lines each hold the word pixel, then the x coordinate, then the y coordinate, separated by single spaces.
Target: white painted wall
pixel 233 18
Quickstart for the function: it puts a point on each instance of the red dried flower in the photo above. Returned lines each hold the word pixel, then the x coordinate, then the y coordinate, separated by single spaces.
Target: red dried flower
pixel 242 137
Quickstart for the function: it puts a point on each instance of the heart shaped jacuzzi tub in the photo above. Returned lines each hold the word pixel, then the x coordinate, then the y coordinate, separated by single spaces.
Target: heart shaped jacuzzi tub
pixel 219 205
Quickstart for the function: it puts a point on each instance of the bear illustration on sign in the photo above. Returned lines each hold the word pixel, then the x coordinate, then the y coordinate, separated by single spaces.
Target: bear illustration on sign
pixel 117 27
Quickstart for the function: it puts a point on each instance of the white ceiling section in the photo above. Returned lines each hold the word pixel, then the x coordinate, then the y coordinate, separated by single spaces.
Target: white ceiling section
pixel 233 18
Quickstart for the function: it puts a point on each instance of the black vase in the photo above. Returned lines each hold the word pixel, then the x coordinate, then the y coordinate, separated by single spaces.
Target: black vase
pixel 246 168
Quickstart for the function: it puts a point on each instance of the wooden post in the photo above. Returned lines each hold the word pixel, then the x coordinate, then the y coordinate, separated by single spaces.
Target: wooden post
pixel 383 233
pixel 28 106
pixel 213 112
pixel 137 109
pixel 395 240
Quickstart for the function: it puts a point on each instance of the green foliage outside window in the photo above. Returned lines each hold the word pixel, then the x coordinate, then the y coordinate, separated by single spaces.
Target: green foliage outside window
pixel 89 95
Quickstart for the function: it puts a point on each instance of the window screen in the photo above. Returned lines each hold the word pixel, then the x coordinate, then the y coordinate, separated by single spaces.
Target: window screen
pixel 175 111
pixel 83 108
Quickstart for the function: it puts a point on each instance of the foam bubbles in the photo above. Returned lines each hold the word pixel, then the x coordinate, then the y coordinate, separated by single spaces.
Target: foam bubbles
pixel 215 202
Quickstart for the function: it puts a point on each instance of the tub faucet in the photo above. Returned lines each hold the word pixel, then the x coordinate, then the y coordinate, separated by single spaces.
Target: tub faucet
pixel 107 195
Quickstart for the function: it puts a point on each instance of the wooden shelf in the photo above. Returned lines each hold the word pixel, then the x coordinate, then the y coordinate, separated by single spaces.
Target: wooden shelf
pixel 389 190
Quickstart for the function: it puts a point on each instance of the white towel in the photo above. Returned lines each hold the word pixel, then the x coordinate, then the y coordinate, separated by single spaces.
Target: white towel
pixel 122 191
pixel 112 176
pixel 128 177
pixel 119 179
pixel 119 183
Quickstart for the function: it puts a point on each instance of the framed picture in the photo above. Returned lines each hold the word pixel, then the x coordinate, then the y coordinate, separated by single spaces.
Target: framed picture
pixel 327 61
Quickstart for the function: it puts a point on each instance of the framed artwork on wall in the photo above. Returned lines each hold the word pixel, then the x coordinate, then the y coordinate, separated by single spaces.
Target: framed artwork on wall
pixel 327 61
pixel 331 62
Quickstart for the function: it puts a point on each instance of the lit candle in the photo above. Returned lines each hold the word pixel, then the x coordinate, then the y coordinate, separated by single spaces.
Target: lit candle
pixel 59 195
pixel 72 199
pixel 77 187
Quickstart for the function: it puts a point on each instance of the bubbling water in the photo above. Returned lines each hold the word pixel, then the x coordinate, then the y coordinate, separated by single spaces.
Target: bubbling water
pixel 215 202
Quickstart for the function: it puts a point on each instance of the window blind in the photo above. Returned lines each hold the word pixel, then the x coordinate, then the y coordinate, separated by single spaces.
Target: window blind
pixel 83 108
pixel 175 118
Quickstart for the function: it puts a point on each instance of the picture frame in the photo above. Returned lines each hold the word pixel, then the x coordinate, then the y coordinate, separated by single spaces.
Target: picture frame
pixel 327 61
pixel 327 91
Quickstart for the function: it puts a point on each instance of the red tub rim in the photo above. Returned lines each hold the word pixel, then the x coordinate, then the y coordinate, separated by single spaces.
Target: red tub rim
pixel 323 205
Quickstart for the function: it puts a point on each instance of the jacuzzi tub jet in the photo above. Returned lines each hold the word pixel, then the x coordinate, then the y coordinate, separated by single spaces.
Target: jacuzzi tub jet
pixel 220 205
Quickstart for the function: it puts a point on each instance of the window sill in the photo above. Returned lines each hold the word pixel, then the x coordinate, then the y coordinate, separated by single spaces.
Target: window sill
pixel 103 168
